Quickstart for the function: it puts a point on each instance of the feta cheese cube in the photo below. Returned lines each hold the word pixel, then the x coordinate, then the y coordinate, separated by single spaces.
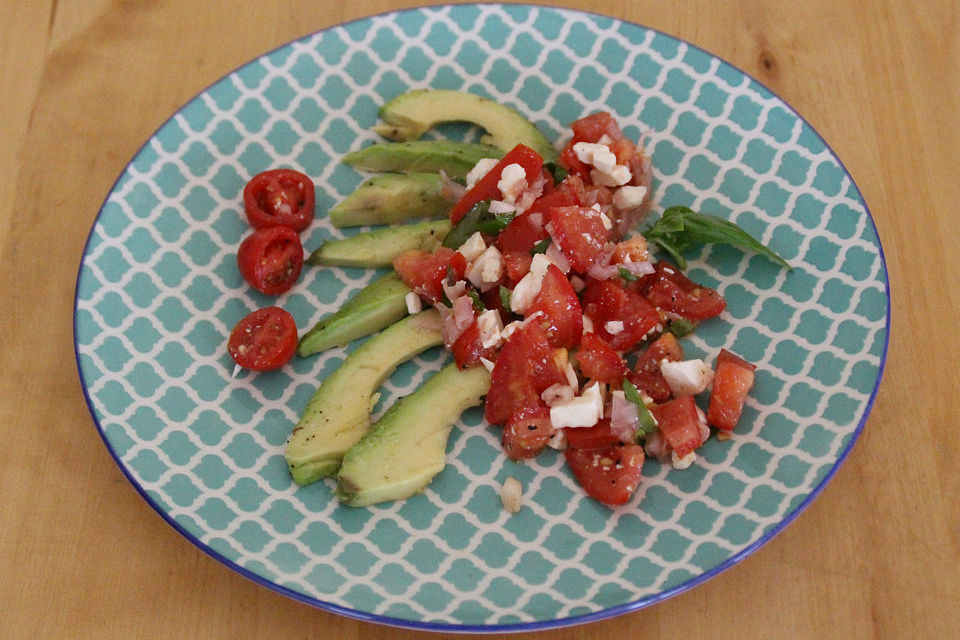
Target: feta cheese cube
pixel 414 303
pixel 687 377
pixel 583 411
pixel 684 462
pixel 617 176
pixel 490 326
pixel 526 290
pixel 473 247
pixel 513 182
pixel 486 270
pixel 613 327
pixel 629 197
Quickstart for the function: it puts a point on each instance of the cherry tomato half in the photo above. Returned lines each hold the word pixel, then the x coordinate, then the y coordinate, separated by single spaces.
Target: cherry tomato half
pixel 263 340
pixel 270 259
pixel 279 197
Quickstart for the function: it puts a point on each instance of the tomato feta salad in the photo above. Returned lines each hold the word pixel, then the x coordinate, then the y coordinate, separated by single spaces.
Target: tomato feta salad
pixel 541 282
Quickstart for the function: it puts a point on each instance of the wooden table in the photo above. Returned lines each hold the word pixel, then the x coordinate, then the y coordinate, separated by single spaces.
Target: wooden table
pixel 83 84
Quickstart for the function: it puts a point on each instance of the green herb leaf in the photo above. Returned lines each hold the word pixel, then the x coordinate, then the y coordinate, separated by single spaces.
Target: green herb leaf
pixel 680 227
pixel 496 225
pixel 626 275
pixel 647 423
pixel 680 327
pixel 478 305
pixel 505 297
pixel 467 226
pixel 558 172
pixel 540 247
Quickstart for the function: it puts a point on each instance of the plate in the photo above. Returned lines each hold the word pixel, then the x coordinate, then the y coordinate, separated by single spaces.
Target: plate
pixel 158 292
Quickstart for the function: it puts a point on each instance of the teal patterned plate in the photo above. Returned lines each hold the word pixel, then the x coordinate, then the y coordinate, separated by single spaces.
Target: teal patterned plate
pixel 158 292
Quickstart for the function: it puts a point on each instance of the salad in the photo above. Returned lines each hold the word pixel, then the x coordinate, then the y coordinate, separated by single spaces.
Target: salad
pixel 543 279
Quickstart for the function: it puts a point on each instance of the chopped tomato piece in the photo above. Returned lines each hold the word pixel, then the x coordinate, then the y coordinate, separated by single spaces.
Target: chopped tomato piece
pixel 263 340
pixel 270 259
pixel 679 423
pixel 527 432
pixel 646 373
pixel 486 187
pixel 423 271
pixel 674 292
pixel 732 382
pixel 562 317
pixel 581 233
pixel 599 361
pixel 468 348
pixel 517 264
pixel 610 474
pixel 526 365
pixel 595 437
pixel 620 316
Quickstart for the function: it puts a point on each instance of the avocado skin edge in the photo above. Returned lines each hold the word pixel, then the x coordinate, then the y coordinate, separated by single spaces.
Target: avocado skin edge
pixel 406 448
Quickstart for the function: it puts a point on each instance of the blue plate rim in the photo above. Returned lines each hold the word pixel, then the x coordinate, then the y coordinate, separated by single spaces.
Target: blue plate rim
pixel 542 625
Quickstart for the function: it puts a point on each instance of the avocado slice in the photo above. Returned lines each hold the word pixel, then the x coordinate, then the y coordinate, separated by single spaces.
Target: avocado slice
pixel 378 247
pixel 407 446
pixel 408 115
pixel 392 198
pixel 376 306
pixel 338 414
pixel 422 156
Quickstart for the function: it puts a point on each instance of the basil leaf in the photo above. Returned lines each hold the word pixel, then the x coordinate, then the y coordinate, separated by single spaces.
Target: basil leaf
pixel 626 275
pixel 467 226
pixel 558 172
pixel 680 227
pixel 647 423
pixel 540 247
pixel 496 225
pixel 505 297
pixel 478 305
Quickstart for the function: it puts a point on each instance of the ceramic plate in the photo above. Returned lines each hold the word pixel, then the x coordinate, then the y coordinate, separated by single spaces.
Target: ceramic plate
pixel 158 292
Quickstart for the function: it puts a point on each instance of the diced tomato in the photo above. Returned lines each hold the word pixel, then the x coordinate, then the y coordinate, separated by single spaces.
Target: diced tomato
pixel 588 129
pixel 562 316
pixel 468 348
pixel 517 264
pixel 491 299
pixel 459 264
pixel 599 361
pixel 611 474
pixel 521 234
pixel 679 423
pixel 595 437
pixel 732 382
pixel 423 271
pixel 674 292
pixel 605 302
pixel 631 250
pixel 527 432
pixel 526 365
pixel 646 373
pixel 581 233
pixel 486 187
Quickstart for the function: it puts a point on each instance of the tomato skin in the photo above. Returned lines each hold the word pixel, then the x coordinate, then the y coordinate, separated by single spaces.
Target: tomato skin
pixel 674 292
pixel 486 187
pixel 263 340
pixel 596 437
pixel 610 475
pixel 424 272
pixel 679 423
pixel 279 197
pixel 646 373
pixel 604 301
pixel 468 348
pixel 517 265
pixel 732 382
pixel 527 432
pixel 599 361
pixel 526 365
pixel 562 316
pixel 270 259
pixel 581 234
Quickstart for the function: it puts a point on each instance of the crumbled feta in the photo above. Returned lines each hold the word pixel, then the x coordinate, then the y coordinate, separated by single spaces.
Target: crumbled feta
pixel 473 247
pixel 480 169
pixel 513 182
pixel 490 326
pixel 486 270
pixel 499 207
pixel 511 494
pixel 526 290
pixel 613 327
pixel 684 462
pixel 414 303
pixel 629 197
pixel 588 325
pixel 583 411
pixel 606 221
pixel 619 175
pixel 687 377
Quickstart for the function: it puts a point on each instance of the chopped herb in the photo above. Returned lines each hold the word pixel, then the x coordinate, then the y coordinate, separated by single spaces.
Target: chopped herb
pixel 626 275
pixel 541 247
pixel 647 423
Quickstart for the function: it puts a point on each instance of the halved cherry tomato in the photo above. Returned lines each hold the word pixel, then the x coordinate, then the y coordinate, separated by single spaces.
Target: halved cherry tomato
pixel 279 197
pixel 263 340
pixel 731 383
pixel 581 233
pixel 486 187
pixel 679 423
pixel 562 317
pixel 610 474
pixel 270 259
pixel 674 292
pixel 527 432
pixel 598 360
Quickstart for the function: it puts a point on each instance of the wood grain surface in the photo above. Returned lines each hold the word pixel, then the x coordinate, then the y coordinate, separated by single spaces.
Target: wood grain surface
pixel 83 83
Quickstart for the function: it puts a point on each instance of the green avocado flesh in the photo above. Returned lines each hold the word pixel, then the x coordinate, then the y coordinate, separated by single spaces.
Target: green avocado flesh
pixel 378 248
pixel 410 114
pixel 422 156
pixel 376 306
pixel 406 448
pixel 391 198
pixel 338 414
